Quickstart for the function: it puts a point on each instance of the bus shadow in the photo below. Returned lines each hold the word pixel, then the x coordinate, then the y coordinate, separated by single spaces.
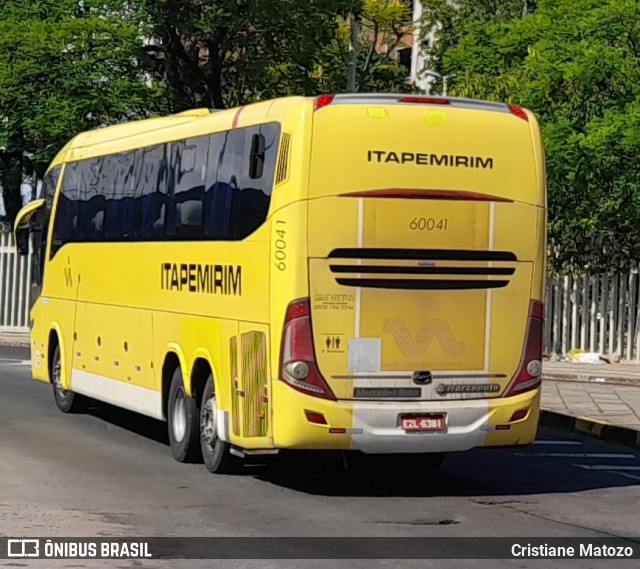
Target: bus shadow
pixel 130 421
pixel 487 475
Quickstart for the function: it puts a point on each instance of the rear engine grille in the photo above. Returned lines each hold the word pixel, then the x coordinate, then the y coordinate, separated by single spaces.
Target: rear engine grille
pixel 425 267
pixel 423 254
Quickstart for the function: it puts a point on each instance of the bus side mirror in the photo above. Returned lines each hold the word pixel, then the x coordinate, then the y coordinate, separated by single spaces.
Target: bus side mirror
pixel 22 240
pixel 22 224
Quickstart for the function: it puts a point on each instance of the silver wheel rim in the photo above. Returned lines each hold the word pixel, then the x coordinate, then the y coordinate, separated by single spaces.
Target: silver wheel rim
pixel 208 422
pixel 57 380
pixel 179 416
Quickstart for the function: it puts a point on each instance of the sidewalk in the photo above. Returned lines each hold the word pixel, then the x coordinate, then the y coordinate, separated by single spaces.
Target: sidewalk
pixel 613 404
pixel 602 400
pixel 14 339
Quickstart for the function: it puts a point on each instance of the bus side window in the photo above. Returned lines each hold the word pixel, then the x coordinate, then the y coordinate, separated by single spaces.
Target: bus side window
pixel 214 210
pixel 117 172
pixel 124 194
pixel 93 189
pixel 151 191
pixel 251 205
pixel 49 185
pixel 66 210
pixel 112 217
pixel 239 181
pixel 228 182
pixel 41 226
pixel 186 188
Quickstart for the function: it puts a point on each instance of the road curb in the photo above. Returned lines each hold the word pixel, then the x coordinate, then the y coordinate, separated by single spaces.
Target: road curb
pixel 593 428
pixel 602 380
pixel 14 342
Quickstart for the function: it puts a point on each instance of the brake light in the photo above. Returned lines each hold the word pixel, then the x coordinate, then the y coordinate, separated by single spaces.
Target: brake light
pixel 425 100
pixel 529 373
pixel 323 101
pixel 519 112
pixel 298 367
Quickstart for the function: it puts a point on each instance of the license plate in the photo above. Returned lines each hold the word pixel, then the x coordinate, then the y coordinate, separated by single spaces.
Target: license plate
pixel 423 423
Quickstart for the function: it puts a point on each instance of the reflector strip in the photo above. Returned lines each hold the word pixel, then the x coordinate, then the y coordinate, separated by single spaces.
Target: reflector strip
pixel 317 418
pixel 418 194
pixel 425 100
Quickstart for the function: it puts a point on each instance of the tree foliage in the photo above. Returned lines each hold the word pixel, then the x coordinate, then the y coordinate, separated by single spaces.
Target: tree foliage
pixel 384 27
pixel 576 64
pixel 71 65
pixel 66 66
pixel 220 54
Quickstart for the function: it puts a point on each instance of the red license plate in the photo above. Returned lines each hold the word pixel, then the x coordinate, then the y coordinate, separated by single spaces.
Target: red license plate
pixel 422 423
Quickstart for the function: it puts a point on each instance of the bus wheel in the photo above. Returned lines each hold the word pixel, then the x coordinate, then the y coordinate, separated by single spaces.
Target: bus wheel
pixel 66 401
pixel 215 451
pixel 182 419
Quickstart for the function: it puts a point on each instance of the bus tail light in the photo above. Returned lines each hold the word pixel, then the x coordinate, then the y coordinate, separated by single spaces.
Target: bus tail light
pixel 323 101
pixel 520 113
pixel 298 366
pixel 529 373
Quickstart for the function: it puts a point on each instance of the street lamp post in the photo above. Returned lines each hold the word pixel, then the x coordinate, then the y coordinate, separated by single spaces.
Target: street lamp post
pixel 443 78
pixel 353 55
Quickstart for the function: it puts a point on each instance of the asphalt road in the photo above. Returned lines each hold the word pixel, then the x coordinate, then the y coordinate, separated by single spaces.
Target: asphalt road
pixel 110 473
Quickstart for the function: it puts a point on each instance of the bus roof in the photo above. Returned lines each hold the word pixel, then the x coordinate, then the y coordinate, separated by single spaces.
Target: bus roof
pixel 102 140
pixel 88 143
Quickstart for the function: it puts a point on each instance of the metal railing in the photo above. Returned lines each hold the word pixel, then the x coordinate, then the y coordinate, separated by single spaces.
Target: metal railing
pixel 15 275
pixel 598 313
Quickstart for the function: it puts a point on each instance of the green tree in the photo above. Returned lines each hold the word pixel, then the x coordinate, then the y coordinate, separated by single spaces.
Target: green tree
pixel 66 66
pixel 220 54
pixel 385 29
pixel 576 64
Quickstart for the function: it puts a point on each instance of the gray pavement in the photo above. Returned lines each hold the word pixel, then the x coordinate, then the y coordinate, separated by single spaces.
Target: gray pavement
pixel 617 405
pixel 110 473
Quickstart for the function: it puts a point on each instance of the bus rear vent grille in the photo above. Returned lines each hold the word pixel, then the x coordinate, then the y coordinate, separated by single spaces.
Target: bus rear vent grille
pixel 395 276
pixel 283 159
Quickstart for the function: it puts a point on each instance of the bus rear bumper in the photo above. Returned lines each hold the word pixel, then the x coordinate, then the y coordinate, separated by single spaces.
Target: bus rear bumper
pixel 374 427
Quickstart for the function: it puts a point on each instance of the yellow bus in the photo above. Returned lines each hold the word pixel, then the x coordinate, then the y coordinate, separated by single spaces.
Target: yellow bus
pixel 345 272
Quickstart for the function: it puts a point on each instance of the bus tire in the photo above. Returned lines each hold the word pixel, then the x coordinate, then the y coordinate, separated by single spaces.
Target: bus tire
pixel 182 420
pixel 66 401
pixel 215 452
